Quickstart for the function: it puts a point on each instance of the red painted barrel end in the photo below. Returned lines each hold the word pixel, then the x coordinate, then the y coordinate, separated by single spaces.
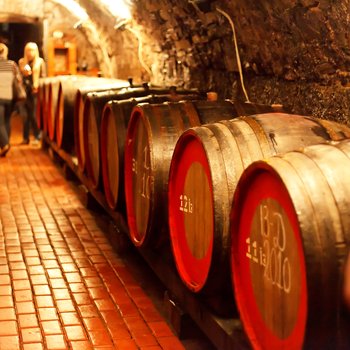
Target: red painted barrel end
pixel 105 165
pixel 39 108
pixel 267 261
pixel 138 180
pixel 50 114
pixel 191 236
pixel 59 116
pixel 78 111
pixel 88 119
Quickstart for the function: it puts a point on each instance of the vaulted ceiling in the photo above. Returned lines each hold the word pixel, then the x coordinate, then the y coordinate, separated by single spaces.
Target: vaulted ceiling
pixel 285 46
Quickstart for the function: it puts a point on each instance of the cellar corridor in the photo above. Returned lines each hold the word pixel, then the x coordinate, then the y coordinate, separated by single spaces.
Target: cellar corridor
pixel 62 286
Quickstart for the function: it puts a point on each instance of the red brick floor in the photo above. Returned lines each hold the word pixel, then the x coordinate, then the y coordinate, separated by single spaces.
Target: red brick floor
pixel 61 284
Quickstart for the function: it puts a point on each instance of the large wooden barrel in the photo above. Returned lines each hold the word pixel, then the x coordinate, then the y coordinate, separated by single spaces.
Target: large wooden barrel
pixel 115 119
pixel 39 113
pixel 290 227
pixel 42 105
pixel 93 107
pixel 90 100
pixel 94 86
pixel 205 169
pixel 151 137
pixel 67 91
pixel 65 110
pixel 51 105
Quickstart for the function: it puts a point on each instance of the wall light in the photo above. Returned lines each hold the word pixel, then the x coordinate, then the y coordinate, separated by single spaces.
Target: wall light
pixel 57 34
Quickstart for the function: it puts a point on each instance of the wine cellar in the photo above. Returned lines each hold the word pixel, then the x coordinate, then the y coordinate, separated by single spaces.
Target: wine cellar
pixel 174 176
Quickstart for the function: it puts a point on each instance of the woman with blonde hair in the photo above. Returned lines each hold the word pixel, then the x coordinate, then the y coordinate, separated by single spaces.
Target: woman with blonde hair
pixel 32 67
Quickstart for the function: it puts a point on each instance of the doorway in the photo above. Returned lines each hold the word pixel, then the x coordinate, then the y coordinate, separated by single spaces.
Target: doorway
pixel 16 35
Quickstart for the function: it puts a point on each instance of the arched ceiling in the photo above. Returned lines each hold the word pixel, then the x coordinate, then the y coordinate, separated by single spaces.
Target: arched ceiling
pixel 280 42
pixel 96 18
pixel 84 9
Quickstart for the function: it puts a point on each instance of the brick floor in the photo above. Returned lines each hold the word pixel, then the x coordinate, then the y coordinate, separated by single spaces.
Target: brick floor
pixel 61 284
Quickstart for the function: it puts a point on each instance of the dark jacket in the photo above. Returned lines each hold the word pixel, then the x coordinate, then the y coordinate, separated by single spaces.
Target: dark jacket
pixel 9 72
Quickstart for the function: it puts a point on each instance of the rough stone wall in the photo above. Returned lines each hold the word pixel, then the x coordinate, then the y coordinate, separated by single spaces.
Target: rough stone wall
pixel 294 52
pixel 114 51
pixel 22 8
pixel 98 43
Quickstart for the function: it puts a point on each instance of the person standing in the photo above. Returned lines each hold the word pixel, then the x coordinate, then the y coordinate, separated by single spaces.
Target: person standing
pixel 10 83
pixel 32 67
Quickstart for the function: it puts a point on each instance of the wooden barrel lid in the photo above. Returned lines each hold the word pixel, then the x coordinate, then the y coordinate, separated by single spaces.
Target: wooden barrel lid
pixel 269 273
pixel 92 149
pixel 39 106
pixel 92 85
pixel 59 116
pixel 138 176
pixel 312 194
pixel 110 157
pixel 79 129
pixel 191 230
pixel 47 86
pixel 346 286
pixel 51 113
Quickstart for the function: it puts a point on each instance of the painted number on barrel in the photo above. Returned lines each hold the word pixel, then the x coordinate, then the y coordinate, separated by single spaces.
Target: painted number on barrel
pixel 186 204
pixel 146 178
pixel 270 250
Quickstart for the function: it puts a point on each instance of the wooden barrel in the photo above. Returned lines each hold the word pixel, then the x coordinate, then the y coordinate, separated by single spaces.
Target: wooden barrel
pixel 290 229
pixel 39 113
pixel 115 119
pixel 65 110
pixel 346 287
pixel 43 95
pixel 151 137
pixel 93 107
pixel 51 105
pixel 94 86
pixel 205 169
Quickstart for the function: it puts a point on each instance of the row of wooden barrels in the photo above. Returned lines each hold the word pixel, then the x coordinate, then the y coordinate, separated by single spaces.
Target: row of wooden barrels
pixel 238 189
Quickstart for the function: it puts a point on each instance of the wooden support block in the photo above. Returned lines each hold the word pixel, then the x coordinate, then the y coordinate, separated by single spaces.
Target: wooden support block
pixel 224 306
pixel 54 156
pixel 69 174
pixel 181 323
pixel 44 144
pixel 118 238
pixel 88 200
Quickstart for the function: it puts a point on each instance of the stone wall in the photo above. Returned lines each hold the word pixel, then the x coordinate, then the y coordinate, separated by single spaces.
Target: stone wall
pixel 21 9
pixel 99 45
pixel 293 52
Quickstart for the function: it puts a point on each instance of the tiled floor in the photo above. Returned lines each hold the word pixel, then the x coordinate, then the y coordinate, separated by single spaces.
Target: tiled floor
pixel 61 284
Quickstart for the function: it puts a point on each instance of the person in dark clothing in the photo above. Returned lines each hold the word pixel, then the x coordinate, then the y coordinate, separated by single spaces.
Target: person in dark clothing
pixel 32 68
pixel 8 73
